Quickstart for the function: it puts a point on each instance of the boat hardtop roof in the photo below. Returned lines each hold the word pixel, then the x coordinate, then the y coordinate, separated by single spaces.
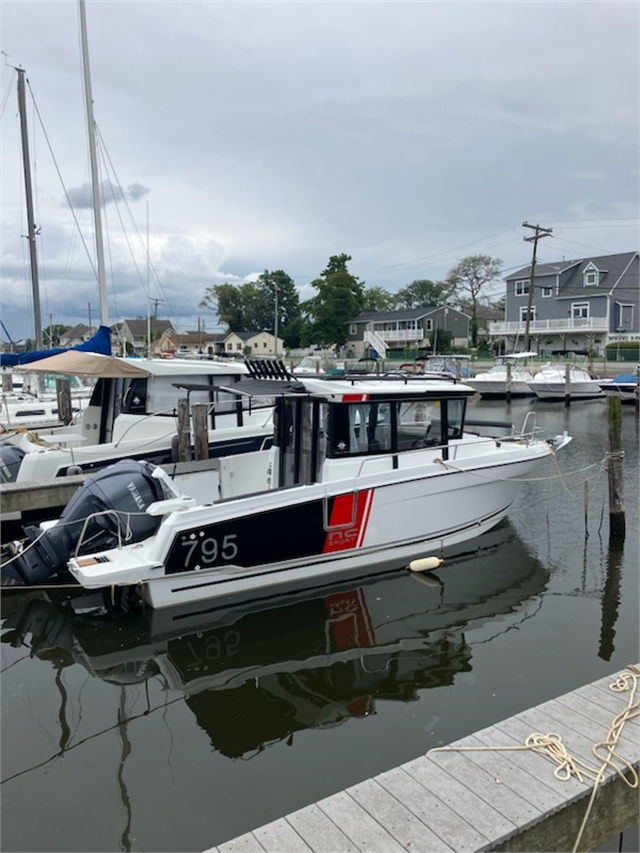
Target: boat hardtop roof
pixel 346 390
pixel 365 388
pixel 182 367
pixel 516 355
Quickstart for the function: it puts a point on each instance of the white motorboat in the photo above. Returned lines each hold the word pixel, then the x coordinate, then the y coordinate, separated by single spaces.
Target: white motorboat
pixel 554 381
pixel 509 375
pixel 33 404
pixel 136 417
pixel 360 473
pixel 624 385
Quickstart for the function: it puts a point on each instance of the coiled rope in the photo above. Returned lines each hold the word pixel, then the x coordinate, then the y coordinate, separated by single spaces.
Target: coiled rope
pixel 605 751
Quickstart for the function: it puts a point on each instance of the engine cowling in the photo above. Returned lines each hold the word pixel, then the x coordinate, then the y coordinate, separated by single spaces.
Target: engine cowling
pixel 109 507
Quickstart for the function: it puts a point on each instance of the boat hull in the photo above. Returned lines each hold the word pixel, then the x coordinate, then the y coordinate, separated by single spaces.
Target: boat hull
pixel 587 390
pixel 305 535
pixel 495 389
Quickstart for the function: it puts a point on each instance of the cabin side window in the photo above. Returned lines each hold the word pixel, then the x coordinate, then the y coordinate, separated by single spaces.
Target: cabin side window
pixel 419 424
pixel 455 417
pixel 360 428
pixel 135 397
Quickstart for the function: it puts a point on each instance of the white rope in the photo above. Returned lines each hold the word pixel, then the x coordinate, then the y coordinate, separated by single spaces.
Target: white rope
pixel 605 751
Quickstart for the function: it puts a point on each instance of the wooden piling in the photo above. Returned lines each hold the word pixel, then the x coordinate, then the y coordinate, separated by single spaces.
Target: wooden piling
pixel 184 431
pixel 200 413
pixel 567 385
pixel 63 396
pixel 507 396
pixel 615 454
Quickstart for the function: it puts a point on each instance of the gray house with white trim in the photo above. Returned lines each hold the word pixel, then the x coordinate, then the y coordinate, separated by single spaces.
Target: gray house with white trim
pixel 405 329
pixel 580 304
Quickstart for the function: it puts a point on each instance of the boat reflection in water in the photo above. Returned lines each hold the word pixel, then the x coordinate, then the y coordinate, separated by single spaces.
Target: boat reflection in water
pixel 258 671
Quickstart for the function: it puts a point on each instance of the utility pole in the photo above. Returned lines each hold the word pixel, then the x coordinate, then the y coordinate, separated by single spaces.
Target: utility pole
pixel 539 232
pixel 156 302
pixel 275 321
pixel 89 310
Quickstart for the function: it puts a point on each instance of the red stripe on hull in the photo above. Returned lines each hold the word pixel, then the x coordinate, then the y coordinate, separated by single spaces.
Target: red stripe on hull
pixel 348 523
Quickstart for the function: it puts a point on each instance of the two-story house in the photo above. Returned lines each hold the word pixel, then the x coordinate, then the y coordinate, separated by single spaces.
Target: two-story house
pixel 410 328
pixel 255 344
pixel 194 344
pixel 78 334
pixel 133 335
pixel 581 304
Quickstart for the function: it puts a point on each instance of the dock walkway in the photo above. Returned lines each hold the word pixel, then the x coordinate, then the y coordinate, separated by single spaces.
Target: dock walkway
pixel 465 800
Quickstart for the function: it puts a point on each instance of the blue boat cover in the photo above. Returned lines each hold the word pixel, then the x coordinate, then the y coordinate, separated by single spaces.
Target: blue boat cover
pixel 100 343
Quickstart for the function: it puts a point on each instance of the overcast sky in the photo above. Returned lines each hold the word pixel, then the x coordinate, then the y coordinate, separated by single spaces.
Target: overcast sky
pixel 244 136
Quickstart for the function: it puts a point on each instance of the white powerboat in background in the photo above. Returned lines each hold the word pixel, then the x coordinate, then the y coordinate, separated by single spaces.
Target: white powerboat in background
pixel 133 414
pixel 555 381
pixel 624 385
pixel 509 374
pixel 361 474
pixel 32 402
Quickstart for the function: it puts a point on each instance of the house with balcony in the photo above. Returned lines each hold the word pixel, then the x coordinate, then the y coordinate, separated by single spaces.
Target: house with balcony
pixel 405 330
pixel 579 304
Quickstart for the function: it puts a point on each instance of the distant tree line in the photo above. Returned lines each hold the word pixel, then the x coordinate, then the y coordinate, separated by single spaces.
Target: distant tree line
pixel 341 296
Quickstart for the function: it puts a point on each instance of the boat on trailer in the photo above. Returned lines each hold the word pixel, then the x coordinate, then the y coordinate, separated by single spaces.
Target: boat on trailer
pixel 360 475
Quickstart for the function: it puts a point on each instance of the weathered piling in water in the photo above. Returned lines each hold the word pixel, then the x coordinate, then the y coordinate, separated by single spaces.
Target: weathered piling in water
pixel 567 386
pixel 63 396
pixel 507 396
pixel 200 413
pixel 615 454
pixel 184 431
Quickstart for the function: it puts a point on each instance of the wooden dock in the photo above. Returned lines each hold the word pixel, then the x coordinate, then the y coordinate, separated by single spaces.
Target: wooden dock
pixel 39 494
pixel 465 800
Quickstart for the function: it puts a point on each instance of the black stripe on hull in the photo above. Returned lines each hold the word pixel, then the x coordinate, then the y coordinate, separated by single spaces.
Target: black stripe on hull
pixel 299 548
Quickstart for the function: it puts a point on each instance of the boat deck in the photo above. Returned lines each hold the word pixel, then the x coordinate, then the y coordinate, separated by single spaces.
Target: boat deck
pixel 464 800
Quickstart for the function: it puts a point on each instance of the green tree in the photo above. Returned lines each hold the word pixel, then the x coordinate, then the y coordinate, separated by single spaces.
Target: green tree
pixel 226 300
pixel 278 288
pixel 251 307
pixel 340 297
pixel 51 335
pixel 423 293
pixel 469 280
pixel 378 299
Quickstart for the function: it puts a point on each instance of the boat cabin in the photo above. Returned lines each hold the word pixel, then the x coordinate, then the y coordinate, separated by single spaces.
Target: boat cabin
pixel 365 420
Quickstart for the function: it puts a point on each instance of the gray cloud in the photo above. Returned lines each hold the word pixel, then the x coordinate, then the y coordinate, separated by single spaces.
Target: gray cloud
pixel 277 134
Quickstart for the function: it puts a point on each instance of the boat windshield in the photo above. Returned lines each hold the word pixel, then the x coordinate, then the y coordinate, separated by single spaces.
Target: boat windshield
pixel 389 427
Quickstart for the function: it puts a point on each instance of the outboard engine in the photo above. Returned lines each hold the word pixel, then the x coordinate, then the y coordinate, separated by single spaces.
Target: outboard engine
pixel 11 457
pixel 127 487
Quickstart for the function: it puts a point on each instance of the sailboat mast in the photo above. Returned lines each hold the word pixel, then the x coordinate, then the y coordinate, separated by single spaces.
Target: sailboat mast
pixel 31 226
pixel 95 182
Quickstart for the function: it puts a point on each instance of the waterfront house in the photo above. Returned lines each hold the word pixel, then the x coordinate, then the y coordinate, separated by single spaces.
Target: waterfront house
pixel 253 344
pixel 133 334
pixel 191 344
pixel 580 304
pixel 410 329
pixel 79 334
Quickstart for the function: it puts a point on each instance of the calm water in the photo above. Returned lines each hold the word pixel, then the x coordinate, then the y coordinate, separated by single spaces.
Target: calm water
pixel 175 731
